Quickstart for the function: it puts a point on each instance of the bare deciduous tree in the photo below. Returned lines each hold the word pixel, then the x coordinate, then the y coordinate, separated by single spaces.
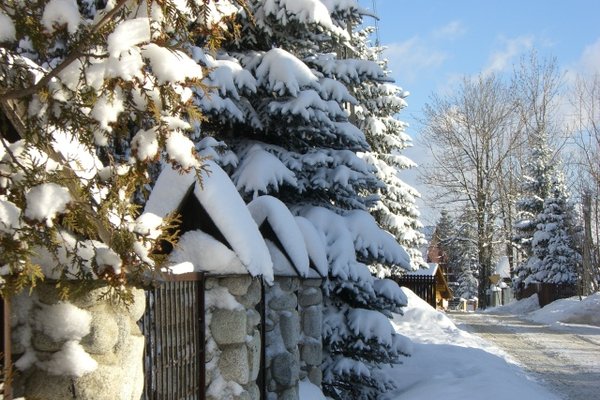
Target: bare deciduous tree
pixel 471 134
pixel 586 103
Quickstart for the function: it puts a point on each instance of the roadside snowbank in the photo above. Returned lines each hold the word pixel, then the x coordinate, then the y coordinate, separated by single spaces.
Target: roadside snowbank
pixel 573 310
pixel 452 364
pixel 569 311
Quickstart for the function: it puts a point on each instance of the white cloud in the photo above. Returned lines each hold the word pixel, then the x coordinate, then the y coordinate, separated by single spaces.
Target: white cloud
pixel 589 63
pixel 579 72
pixel 450 31
pixel 503 59
pixel 409 58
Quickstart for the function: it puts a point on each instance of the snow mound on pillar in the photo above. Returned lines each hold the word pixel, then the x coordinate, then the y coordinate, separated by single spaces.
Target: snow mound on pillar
pixel 315 245
pixel 268 209
pixel 222 202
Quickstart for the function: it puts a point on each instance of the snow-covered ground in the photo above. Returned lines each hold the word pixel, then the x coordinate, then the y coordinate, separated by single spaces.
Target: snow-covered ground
pixel 451 363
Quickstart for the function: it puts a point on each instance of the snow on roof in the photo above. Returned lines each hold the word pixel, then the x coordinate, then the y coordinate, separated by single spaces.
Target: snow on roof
pixel 222 202
pixel 429 271
pixel 281 263
pixel 269 210
pixel 191 251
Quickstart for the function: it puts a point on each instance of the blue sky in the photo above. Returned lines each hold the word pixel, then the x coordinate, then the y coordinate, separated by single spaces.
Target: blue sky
pixel 431 44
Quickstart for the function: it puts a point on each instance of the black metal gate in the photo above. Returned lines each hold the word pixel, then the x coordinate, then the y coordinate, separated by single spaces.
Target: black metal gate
pixel 173 326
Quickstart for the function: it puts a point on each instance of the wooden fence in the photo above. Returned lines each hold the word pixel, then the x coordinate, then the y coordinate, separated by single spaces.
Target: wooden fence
pixel 547 292
pixel 422 285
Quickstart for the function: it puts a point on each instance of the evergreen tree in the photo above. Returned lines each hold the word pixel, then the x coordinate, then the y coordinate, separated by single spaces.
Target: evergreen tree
pixel 443 239
pixel 90 88
pixel 536 187
pixel 467 271
pixel 376 111
pixel 467 281
pixel 281 120
pixel 554 256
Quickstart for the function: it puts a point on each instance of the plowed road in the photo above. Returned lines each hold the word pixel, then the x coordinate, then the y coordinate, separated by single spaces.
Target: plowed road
pixel 564 358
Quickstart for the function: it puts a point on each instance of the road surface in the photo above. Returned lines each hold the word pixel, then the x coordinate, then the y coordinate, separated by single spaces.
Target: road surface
pixel 565 358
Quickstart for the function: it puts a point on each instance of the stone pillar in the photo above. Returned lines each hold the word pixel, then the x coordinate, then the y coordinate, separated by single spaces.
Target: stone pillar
pixel 233 338
pixel 310 299
pixel 283 337
pixel 88 348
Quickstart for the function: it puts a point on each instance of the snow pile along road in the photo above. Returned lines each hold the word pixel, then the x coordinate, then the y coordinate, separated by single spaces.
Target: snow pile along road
pixel 559 344
pixel 451 364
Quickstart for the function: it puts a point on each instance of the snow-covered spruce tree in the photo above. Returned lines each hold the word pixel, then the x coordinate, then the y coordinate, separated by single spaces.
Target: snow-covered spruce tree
pixel 281 126
pixel 375 114
pixel 554 256
pixel 467 265
pixel 443 235
pixel 94 103
pixel 536 186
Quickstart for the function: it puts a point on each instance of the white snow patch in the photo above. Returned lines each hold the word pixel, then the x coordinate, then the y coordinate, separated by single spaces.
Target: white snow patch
pixel 45 201
pixel 310 391
pixel 168 191
pixel 128 34
pixel 194 246
pixel 219 297
pixel 281 264
pixel 371 240
pixel 281 71
pixel 7 28
pixel 81 159
pixel 106 111
pixel 260 169
pixel 181 149
pixel 145 144
pixel 9 217
pixel 570 311
pixel 61 12
pixel 63 321
pixel 520 307
pixel 223 203
pixel 390 289
pixel 106 257
pixel 170 65
pixel 371 325
pixel 71 360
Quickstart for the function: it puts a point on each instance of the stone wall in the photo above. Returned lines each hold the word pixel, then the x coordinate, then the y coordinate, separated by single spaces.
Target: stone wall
pixel 88 348
pixel 293 336
pixel 310 302
pixel 233 340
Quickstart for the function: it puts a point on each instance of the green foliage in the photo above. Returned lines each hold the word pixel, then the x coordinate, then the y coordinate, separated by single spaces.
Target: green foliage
pixel 46 91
